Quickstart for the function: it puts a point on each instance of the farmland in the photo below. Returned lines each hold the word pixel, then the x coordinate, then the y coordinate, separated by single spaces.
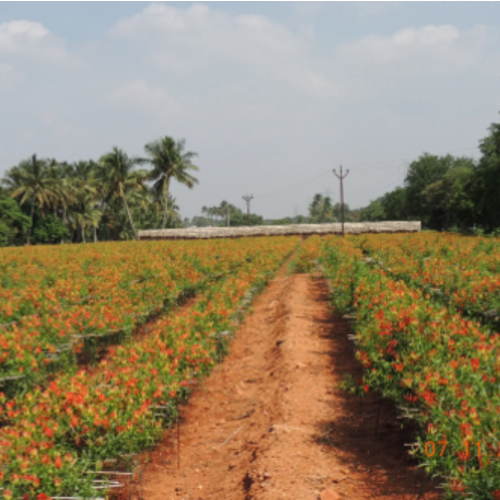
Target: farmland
pixel 101 343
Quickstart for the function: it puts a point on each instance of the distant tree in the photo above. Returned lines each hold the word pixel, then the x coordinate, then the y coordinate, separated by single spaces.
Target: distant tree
pixel 321 209
pixel 337 211
pixel 448 200
pixel 13 222
pixel 170 161
pixel 394 204
pixel 485 190
pixel 50 230
pixel 32 181
pixel 426 170
pixel 430 191
pixel 116 171
pixel 240 219
pixel 373 212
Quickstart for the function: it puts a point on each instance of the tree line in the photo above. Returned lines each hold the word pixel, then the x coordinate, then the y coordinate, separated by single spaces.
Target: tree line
pixel 321 210
pixel 448 192
pixel 443 192
pixel 46 201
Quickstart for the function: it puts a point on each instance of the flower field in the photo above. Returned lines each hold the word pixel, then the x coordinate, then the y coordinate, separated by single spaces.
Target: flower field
pixel 78 420
pixel 96 354
pixel 57 301
pixel 464 272
pixel 440 366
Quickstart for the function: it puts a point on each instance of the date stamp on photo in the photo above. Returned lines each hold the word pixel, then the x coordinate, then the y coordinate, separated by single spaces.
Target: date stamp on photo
pixel 468 450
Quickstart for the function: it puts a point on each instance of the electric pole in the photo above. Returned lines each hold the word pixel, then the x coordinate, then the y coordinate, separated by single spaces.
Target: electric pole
pixel 342 176
pixel 248 198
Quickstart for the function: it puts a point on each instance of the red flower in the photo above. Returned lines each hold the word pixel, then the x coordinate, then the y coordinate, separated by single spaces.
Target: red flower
pixel 474 362
pixel 58 462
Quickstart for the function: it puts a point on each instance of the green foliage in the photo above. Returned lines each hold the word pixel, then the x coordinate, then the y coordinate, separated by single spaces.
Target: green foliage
pixel 374 212
pixel 50 230
pixel 219 215
pixel 486 186
pixel 395 204
pixel 240 219
pixel 169 161
pixel 13 223
pixel 321 209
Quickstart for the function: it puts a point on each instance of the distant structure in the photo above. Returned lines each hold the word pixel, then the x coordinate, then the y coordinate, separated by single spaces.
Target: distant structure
pixel 290 230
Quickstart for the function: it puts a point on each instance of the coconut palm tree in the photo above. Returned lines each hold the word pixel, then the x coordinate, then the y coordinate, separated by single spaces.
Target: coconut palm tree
pixel 116 171
pixel 85 210
pixel 64 189
pixel 32 180
pixel 84 216
pixel 170 161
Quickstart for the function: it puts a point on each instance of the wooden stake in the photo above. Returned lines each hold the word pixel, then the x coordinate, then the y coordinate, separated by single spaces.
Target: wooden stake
pixel 178 442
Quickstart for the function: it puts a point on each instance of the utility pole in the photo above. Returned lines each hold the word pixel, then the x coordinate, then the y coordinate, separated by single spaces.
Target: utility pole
pixel 342 176
pixel 248 198
pixel 227 209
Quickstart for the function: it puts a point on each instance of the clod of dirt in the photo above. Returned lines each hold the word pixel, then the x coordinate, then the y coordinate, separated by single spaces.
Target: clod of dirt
pixel 329 495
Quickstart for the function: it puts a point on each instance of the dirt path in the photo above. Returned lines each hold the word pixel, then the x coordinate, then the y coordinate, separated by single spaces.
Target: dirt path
pixel 269 423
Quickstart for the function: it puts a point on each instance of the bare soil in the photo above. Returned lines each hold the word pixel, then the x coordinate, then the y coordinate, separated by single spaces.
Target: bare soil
pixel 271 423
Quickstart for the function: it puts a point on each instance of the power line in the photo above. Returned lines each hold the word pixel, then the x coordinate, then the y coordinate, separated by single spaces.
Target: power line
pixel 294 186
pixel 379 165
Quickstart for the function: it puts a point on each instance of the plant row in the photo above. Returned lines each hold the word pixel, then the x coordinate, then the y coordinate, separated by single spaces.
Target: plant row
pixel 102 295
pixel 462 271
pixel 442 369
pixel 51 436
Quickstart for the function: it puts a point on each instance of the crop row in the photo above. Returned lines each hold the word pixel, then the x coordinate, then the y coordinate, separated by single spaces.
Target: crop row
pixel 101 294
pixel 463 272
pixel 442 369
pixel 50 437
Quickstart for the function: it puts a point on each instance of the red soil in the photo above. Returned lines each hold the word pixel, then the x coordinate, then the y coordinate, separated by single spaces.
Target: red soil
pixel 270 422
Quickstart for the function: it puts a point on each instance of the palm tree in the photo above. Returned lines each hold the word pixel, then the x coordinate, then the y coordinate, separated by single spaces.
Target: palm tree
pixel 64 189
pixel 86 216
pixel 170 161
pixel 32 180
pixel 88 191
pixel 116 171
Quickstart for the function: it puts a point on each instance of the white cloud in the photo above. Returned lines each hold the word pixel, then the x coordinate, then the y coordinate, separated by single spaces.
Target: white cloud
pixel 33 41
pixel 8 77
pixel 428 50
pixel 139 96
pixel 198 37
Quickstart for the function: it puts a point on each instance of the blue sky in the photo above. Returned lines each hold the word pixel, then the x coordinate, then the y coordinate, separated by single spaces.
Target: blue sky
pixel 271 95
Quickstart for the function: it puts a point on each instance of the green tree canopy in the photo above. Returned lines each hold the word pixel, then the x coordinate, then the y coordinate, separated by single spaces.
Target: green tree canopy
pixel 486 186
pixel 321 209
pixel 170 161
pixel 13 222
pixel 116 171
pixel 32 181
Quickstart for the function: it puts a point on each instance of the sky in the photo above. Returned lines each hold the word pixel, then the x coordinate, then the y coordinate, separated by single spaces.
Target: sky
pixel 272 96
